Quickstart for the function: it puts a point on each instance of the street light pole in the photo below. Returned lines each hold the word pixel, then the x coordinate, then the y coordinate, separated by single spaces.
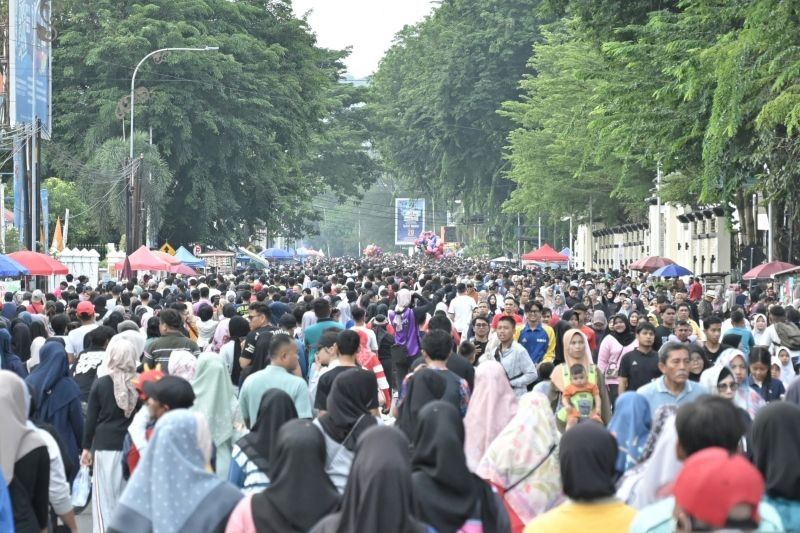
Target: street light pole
pixel 131 209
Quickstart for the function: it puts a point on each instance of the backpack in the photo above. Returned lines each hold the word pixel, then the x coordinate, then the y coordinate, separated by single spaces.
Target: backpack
pixel 789 335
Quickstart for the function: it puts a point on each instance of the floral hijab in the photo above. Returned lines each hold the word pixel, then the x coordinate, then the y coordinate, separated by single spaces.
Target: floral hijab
pixel 523 459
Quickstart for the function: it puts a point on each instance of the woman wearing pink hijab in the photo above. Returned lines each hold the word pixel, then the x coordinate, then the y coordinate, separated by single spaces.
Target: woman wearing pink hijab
pixel 491 408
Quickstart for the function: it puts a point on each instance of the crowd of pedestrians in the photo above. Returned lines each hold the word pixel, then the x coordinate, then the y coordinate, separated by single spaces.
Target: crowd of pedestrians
pixel 400 394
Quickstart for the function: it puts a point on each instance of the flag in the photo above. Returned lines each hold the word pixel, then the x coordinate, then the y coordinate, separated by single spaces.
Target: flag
pixel 58 237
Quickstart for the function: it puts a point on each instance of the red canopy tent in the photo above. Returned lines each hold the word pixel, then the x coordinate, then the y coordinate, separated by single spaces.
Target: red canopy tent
pixel 545 254
pixel 144 259
pixel 39 264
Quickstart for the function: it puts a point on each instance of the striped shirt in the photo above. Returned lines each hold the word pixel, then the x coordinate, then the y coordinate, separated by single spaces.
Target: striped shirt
pixel 245 474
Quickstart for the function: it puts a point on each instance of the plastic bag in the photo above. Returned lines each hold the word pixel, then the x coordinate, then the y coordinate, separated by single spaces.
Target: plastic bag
pixel 82 487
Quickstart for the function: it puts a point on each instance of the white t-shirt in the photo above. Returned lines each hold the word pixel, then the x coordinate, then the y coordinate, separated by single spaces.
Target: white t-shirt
pixel 372 341
pixel 74 340
pixel 461 308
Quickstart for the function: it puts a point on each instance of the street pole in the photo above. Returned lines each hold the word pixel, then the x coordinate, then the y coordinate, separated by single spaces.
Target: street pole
pixel 540 232
pixel 129 237
pixel 659 241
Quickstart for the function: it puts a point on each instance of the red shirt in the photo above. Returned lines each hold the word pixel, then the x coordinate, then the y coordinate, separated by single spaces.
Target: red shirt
pixel 695 291
pixel 496 319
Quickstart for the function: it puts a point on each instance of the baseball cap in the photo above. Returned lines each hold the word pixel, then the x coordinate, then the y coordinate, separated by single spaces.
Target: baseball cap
pixel 172 391
pixel 37 295
pixel 146 377
pixel 712 482
pixel 85 308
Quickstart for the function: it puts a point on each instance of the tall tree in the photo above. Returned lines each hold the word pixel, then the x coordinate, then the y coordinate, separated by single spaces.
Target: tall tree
pixel 437 92
pixel 235 128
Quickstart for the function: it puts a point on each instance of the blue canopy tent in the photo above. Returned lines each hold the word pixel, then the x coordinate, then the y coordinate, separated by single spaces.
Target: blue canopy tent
pixel 187 258
pixel 10 268
pixel 276 254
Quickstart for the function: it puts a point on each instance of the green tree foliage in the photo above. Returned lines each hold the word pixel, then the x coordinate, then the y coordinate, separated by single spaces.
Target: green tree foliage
pixel 436 95
pixel 241 130
pixel 706 88
pixel 63 195
pixel 560 160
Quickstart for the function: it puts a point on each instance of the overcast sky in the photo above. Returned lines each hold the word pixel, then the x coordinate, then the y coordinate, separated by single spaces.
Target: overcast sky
pixel 368 26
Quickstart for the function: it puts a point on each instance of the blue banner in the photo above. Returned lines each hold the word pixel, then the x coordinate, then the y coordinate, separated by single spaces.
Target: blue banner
pixel 409 220
pixel 30 33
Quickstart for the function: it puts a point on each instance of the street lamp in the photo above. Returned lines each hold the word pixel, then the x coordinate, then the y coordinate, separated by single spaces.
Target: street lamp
pixel 130 210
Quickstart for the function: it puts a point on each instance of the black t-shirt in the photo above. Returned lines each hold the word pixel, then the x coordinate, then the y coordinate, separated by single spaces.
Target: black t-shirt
pixel 662 337
pixel 250 341
pixel 461 367
pixel 325 385
pixel 480 349
pixel 712 356
pixel 639 369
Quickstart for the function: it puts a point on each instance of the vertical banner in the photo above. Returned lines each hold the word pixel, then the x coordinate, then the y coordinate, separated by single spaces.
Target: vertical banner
pixel 45 194
pixel 20 211
pixel 409 219
pixel 30 84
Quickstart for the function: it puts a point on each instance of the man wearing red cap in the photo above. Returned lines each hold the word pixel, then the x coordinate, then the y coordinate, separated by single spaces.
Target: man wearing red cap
pixel 74 340
pixel 708 423
pixel 717 490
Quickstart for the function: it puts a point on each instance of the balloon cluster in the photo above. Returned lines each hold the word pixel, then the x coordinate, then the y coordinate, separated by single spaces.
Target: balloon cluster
pixel 428 243
pixel 373 250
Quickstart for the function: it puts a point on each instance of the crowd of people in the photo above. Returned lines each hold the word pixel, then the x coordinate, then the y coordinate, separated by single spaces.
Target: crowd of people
pixel 401 394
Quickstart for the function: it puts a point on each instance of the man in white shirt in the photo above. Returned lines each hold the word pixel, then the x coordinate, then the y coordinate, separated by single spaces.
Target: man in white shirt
pixel 359 316
pixel 74 341
pixel 460 309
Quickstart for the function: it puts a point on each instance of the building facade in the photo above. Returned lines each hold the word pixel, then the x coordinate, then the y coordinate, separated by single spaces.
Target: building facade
pixel 698 239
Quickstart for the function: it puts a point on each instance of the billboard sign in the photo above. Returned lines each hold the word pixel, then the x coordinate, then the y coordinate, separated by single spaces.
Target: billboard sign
pixel 409 220
pixel 30 88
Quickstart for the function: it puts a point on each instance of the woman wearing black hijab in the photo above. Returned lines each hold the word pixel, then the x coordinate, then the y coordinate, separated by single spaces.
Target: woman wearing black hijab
pixel 424 386
pixel 560 329
pixel 300 493
pixel 21 340
pixel 238 328
pixel 776 439
pixel 378 495
pixel 587 458
pixel 446 494
pixel 251 468
pixel 346 418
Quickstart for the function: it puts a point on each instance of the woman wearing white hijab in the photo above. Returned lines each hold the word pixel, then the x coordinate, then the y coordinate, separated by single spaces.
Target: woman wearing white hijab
pixel 112 402
pixel 735 360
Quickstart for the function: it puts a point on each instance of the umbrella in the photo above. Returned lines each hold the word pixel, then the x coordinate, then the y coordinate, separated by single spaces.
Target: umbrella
pixel 39 264
pixel 10 268
pixel 767 270
pixel 672 271
pixel 651 263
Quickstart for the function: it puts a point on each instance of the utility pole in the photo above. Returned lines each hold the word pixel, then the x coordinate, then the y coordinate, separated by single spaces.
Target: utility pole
pixel 359 233
pixel 519 239
pixel 659 239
